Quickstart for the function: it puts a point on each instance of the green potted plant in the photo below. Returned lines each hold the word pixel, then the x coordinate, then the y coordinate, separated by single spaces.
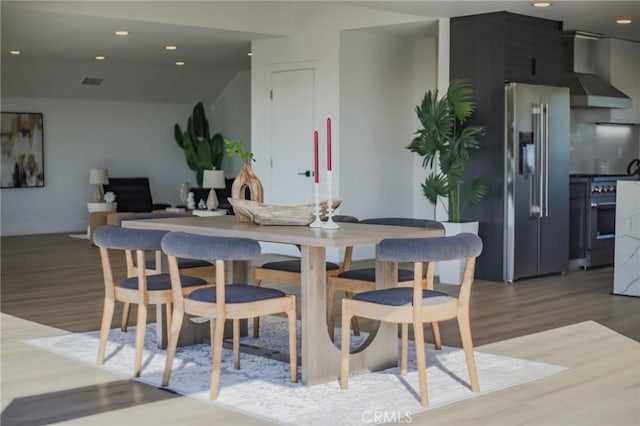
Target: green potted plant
pixel 202 151
pixel 445 138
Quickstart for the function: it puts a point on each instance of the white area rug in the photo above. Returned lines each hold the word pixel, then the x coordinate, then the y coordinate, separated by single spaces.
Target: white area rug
pixel 261 388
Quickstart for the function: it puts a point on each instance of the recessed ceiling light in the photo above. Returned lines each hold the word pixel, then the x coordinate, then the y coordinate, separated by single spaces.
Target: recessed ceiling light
pixel 171 47
pixel 121 33
pixel 100 58
pixel 179 63
pixel 15 52
pixel 250 54
pixel 541 4
pixel 623 21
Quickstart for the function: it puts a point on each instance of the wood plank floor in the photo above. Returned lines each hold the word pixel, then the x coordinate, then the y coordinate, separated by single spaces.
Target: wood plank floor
pixel 51 282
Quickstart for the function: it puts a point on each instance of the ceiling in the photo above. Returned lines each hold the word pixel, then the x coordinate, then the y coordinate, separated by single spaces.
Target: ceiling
pixel 60 39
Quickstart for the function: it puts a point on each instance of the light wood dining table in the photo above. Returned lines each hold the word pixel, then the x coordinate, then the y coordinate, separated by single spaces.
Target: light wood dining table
pixel 320 358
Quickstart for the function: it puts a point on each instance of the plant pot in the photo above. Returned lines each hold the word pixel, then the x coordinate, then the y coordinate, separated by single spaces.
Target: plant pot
pixel 246 180
pixel 451 271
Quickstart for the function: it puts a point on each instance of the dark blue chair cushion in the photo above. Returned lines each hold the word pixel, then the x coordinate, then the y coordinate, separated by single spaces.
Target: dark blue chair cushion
pixel 369 274
pixel 181 244
pixel 237 293
pixel 114 237
pixel 401 296
pixel 161 282
pixel 404 221
pixel 435 249
pixel 293 266
pixel 182 263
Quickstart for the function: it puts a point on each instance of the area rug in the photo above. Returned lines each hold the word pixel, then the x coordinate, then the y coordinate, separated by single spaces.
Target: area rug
pixel 261 388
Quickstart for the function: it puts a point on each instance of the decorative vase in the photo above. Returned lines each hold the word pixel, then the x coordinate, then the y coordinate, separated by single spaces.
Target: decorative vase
pixel 247 180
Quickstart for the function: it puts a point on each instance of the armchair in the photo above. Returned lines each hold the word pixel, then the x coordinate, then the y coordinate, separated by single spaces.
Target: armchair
pixel 133 195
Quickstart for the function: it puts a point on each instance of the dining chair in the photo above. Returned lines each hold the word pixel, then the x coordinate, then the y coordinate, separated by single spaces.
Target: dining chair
pixel 415 305
pixel 134 288
pixel 224 301
pixel 153 265
pixel 353 281
pixel 289 271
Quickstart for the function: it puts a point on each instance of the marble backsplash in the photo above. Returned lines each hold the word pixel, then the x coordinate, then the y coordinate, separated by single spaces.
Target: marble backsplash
pixel 602 148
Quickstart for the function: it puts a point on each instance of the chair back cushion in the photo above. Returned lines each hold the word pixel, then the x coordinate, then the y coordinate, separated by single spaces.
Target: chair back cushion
pixel 203 247
pixel 404 221
pixel 132 194
pixel 435 249
pixel 115 237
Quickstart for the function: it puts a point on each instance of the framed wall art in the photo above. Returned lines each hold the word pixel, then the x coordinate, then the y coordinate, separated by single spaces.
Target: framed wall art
pixel 22 146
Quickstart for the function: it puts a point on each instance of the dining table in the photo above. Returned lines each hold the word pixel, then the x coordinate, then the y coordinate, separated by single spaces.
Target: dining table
pixel 320 357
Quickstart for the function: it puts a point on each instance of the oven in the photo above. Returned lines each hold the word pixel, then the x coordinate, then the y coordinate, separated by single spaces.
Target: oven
pixel 592 220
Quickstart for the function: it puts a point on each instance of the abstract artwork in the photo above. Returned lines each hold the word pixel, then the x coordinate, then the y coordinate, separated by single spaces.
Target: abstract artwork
pixel 22 146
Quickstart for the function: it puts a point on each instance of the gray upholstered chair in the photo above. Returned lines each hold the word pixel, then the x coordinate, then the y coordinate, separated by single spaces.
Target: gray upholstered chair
pixel 137 286
pixel 415 305
pixel 192 267
pixel 353 281
pixel 288 271
pixel 224 301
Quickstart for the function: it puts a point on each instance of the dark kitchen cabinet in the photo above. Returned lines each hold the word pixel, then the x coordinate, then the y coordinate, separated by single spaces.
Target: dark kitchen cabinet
pixel 491 49
pixel 532 50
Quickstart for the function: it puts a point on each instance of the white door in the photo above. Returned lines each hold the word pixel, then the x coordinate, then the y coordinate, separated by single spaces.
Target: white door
pixel 291 127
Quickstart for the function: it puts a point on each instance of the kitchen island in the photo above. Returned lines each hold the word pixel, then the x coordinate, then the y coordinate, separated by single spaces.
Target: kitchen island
pixel 626 270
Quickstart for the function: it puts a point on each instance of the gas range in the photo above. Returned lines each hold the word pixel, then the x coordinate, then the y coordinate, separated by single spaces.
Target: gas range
pixel 601 185
pixel 592 219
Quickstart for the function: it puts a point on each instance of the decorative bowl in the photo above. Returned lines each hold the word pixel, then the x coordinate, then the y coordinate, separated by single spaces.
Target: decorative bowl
pixel 272 214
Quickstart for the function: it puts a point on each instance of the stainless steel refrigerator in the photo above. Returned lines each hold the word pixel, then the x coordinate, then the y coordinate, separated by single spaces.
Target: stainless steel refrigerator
pixel 536 181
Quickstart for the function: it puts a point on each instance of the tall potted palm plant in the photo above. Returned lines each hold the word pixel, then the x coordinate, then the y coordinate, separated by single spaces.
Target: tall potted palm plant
pixel 444 137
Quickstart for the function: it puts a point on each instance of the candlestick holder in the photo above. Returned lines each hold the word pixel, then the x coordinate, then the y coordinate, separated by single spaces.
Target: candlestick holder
pixel 316 206
pixel 329 224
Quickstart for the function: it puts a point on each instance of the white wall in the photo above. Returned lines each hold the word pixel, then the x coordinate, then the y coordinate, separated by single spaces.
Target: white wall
pixel 231 116
pixel 376 105
pixel 129 139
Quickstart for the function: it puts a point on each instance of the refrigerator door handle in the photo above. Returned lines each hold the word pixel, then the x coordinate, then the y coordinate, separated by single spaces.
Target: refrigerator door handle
pixel 545 163
pixel 535 185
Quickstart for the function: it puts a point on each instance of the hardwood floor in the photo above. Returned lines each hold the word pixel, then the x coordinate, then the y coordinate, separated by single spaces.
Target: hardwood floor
pixel 55 282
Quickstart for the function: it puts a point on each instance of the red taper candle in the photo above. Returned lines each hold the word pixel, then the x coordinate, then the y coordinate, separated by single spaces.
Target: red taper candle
pixel 328 143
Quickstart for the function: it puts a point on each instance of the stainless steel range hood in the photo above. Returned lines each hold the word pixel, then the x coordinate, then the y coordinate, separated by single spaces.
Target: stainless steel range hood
pixel 587 89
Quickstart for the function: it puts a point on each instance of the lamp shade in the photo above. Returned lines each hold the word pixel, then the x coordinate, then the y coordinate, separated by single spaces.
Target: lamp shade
pixel 213 179
pixel 98 177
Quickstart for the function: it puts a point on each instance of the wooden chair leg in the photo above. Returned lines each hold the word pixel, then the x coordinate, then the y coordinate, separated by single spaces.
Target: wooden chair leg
pixel 405 348
pixel 174 333
pixel 141 326
pixel 236 344
pixel 256 320
pixel 435 330
pixel 105 326
pixel 467 345
pixel 293 343
pixel 421 361
pixel 125 316
pixel 354 320
pixel 344 365
pixel 217 358
pixel 212 334
pixel 331 311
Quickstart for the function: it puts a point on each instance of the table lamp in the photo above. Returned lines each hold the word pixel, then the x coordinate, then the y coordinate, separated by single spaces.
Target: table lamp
pixel 98 177
pixel 213 179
